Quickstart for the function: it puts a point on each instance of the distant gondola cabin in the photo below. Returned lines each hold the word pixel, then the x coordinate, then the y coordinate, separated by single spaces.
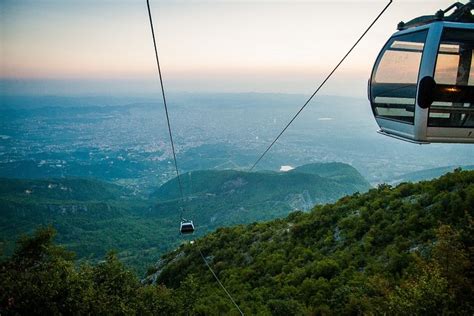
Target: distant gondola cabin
pixel 186 227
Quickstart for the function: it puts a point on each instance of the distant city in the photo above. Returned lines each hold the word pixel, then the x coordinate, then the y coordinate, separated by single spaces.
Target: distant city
pixel 125 140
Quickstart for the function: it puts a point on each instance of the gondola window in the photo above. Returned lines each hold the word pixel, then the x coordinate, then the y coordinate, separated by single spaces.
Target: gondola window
pixel 393 88
pixel 454 66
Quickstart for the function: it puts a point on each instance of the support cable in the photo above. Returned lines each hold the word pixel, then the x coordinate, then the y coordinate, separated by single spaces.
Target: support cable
pixel 174 153
pixel 320 86
pixel 166 107
pixel 220 283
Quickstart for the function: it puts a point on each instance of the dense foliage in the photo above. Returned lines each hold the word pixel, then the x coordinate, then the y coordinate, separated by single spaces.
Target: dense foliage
pixel 41 279
pixel 403 250
pixel 227 197
pixel 92 217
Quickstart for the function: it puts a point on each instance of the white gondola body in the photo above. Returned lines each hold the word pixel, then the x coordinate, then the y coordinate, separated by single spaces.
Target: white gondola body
pixel 410 55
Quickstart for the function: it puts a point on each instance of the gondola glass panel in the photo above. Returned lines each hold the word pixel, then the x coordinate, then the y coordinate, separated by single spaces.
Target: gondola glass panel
pixel 454 67
pixel 395 77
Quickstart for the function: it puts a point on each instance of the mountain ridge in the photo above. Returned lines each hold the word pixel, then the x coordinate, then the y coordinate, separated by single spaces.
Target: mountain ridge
pixel 141 228
pixel 217 180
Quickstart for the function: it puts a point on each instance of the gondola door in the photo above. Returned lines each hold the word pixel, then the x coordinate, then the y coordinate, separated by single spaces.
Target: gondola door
pixel 451 115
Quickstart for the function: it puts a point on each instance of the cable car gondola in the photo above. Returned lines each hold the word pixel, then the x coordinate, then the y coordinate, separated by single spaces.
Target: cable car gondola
pixel 422 84
pixel 187 227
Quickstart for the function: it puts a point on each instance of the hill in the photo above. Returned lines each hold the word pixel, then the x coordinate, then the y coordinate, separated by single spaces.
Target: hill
pixel 322 180
pixel 389 251
pixel 216 198
pixel 62 189
pixel 428 174
pixel 92 216
pixel 337 171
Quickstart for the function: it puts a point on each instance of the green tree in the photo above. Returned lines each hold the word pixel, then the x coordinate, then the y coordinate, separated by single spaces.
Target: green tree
pixel 38 278
pixel 189 294
pixel 157 300
pixel 425 293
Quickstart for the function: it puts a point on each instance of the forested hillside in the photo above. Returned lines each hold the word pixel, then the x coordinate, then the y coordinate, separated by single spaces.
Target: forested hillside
pixel 403 250
pixel 227 197
pixel 92 217
pixel 392 250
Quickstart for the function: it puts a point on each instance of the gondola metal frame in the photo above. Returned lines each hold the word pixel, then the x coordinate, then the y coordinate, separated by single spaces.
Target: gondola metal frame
pixel 420 132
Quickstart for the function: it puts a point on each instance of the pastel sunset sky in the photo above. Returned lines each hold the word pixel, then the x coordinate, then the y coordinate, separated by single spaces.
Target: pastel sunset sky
pixel 58 46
